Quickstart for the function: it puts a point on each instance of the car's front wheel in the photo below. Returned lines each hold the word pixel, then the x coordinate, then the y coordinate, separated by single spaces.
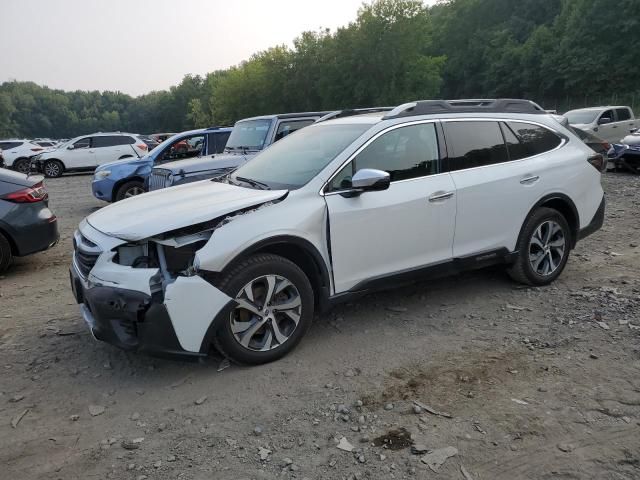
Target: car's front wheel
pixel 274 309
pixel 128 190
pixel 53 168
pixel 543 248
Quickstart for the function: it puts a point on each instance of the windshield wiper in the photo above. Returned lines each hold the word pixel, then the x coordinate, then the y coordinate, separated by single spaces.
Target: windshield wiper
pixel 254 183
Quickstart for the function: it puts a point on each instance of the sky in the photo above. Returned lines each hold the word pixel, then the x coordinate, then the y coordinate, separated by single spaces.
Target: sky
pixel 136 46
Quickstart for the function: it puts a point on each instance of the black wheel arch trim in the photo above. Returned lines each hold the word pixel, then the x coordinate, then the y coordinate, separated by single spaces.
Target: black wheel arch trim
pixel 575 228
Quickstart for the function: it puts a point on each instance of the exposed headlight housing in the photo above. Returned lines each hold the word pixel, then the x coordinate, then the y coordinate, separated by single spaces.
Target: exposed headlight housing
pixel 100 174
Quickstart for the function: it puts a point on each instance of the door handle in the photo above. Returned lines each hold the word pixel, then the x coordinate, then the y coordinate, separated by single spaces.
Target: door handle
pixel 439 196
pixel 530 180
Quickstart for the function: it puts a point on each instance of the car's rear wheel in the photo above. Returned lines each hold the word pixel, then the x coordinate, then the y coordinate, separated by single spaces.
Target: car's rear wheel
pixel 22 165
pixel 129 189
pixel 274 309
pixel 5 253
pixel 543 248
pixel 53 168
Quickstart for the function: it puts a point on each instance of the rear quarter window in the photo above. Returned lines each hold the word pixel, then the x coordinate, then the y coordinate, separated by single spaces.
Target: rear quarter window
pixel 527 140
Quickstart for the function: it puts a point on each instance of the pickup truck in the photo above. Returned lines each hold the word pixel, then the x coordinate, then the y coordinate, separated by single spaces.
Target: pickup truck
pixel 249 137
pixel 609 123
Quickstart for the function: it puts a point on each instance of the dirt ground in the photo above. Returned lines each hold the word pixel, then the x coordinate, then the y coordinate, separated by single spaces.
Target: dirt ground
pixel 537 383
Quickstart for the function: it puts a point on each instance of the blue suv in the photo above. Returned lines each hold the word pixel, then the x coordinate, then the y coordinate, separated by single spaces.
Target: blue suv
pixel 126 178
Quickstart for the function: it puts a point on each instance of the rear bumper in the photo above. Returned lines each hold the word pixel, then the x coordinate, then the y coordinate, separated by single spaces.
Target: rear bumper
pixel 596 223
pixel 33 228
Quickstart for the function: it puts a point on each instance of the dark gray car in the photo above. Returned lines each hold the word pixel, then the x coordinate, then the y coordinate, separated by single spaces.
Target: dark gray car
pixel 249 137
pixel 26 224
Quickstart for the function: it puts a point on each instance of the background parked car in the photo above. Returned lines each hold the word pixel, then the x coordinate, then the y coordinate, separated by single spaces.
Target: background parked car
pixel 250 136
pixel 17 153
pixel 85 153
pixel 126 178
pixel 161 137
pixel 26 224
pixel 609 123
pixel 150 142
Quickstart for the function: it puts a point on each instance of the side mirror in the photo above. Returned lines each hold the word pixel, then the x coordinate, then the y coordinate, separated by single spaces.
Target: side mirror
pixel 370 180
pixel 635 130
pixel 604 121
pixel 70 147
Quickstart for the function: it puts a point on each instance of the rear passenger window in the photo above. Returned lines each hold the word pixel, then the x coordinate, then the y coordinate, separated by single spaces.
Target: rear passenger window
pixel 405 153
pixel 474 144
pixel 623 114
pixel 526 140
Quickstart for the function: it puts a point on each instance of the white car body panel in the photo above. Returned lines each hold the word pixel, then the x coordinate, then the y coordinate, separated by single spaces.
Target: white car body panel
pixel 611 132
pixel 379 233
pixel 177 207
pixel 10 155
pixel 192 304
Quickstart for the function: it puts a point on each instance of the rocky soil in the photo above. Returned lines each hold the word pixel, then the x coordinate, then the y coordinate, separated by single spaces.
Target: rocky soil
pixel 471 377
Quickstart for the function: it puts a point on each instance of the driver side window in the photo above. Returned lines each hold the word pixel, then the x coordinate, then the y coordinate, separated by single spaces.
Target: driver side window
pixel 182 148
pixel 404 153
pixel 82 143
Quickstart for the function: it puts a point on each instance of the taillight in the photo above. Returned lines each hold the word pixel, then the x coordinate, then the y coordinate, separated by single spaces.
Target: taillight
pixel 37 193
pixel 598 162
pixel 142 146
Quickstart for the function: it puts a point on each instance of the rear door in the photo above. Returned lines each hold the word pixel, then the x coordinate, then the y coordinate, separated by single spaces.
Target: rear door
pixel 499 174
pixel 626 122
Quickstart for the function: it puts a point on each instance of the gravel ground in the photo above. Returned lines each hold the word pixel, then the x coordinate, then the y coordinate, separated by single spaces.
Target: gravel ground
pixel 521 383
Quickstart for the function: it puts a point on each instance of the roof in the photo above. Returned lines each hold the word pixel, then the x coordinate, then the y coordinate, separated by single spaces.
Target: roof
pixel 596 109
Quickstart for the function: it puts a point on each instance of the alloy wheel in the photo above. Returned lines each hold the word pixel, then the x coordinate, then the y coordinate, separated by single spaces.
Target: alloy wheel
pixel 547 248
pixel 133 191
pixel 23 166
pixel 52 169
pixel 267 313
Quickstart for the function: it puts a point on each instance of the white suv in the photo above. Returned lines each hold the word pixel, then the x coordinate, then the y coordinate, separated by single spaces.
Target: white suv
pixel 17 153
pixel 359 201
pixel 85 153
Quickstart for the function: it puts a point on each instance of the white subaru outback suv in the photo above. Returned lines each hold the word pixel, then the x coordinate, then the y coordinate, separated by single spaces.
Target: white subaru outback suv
pixel 359 201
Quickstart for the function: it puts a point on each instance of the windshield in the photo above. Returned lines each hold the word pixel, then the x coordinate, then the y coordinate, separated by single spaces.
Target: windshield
pixel 581 116
pixel 297 158
pixel 249 135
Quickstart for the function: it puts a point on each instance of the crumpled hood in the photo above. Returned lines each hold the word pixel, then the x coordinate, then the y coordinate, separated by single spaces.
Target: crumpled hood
pixel 168 209
pixel 200 164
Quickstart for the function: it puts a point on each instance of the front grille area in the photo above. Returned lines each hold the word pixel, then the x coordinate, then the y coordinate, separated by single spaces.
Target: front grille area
pixel 159 178
pixel 85 261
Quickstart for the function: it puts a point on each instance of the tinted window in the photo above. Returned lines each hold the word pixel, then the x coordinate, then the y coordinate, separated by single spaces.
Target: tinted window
pixel 526 140
pixel 216 142
pixel 10 145
pixel 608 114
pixel 474 144
pixel 623 114
pixel 83 143
pixel 287 127
pixel 407 152
pixel 112 141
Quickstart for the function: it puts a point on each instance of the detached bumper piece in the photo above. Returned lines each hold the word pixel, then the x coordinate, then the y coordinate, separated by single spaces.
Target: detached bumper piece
pixel 129 320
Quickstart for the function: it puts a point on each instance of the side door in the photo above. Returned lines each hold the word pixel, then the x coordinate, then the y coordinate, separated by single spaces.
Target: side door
pixel 626 122
pixel 288 126
pixel 82 155
pixel 608 127
pixel 406 227
pixel 499 174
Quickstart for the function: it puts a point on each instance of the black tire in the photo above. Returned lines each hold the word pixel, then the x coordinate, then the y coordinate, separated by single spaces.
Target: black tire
pixel 129 189
pixel 522 270
pixel 5 253
pixel 233 283
pixel 53 168
pixel 22 165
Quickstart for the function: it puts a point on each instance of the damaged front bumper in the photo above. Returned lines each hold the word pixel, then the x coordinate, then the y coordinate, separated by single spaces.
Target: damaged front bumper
pixel 124 306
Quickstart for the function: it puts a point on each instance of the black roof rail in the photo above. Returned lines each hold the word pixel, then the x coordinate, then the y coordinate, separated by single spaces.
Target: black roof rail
pixel 350 112
pixel 479 105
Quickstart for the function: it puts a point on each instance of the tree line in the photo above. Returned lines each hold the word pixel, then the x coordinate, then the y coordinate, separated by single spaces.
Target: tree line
pixel 393 52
